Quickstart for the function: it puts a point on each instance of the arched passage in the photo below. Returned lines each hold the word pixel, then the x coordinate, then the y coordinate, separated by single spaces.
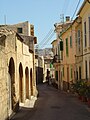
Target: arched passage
pixel 31 82
pixel 12 82
pixel 21 82
pixel 27 82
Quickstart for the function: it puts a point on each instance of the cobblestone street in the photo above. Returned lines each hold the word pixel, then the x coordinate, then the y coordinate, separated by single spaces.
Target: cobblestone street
pixel 54 105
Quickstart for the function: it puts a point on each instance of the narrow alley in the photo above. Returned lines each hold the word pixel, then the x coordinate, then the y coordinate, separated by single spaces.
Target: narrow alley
pixel 52 104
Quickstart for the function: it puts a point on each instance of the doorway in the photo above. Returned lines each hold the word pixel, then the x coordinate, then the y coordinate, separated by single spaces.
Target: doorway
pixel 20 82
pixel 27 82
pixel 12 82
pixel 31 82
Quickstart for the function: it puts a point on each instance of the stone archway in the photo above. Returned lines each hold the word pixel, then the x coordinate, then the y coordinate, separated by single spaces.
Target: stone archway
pixel 31 82
pixel 20 82
pixel 12 82
pixel 27 82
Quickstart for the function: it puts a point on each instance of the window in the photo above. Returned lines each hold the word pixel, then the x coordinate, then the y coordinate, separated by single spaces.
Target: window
pixel 86 69
pixel 80 72
pixel 61 45
pixel 78 40
pixel 66 46
pixel 77 75
pixel 51 65
pixel 56 75
pixel 63 71
pixel 71 41
pixel 89 69
pixel 55 50
pixel 85 36
pixel 89 30
pixel 71 73
pixel 19 30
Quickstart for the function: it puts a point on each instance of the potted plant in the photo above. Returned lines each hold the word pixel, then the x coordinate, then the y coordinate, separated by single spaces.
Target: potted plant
pixel 83 91
pixel 80 88
pixel 88 95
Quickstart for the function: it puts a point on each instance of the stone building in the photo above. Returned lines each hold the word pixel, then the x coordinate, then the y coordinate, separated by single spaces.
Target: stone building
pixel 17 71
pixel 23 28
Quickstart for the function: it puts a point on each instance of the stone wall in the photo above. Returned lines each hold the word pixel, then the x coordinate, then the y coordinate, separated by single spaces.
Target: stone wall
pixel 3 84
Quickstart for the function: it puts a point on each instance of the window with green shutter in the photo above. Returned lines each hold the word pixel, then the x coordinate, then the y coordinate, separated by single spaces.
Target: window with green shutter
pixel 63 71
pixel 85 34
pixel 71 41
pixel 51 65
pixel 89 30
pixel 61 45
pixel 66 46
pixel 71 73
pixel 56 75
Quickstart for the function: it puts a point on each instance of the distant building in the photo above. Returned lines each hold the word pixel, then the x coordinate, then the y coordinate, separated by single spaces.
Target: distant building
pixel 47 52
pixel 24 28
pixel 44 56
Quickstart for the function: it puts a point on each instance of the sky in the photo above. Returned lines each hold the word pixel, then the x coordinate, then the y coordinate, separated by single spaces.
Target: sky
pixel 43 14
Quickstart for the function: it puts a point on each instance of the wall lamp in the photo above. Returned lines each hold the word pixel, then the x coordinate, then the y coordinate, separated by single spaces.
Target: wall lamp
pixel 79 19
pixel 56 59
pixel 88 1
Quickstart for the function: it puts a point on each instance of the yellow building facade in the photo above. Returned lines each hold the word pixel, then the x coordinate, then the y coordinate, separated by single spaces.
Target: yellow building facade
pixel 84 14
pixel 69 52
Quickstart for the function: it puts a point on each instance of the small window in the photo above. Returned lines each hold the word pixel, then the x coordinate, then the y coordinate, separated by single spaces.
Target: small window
pixel 71 41
pixel 63 71
pixel 89 31
pixel 85 34
pixel 79 39
pixel 71 73
pixel 86 71
pixel 56 75
pixel 19 30
pixel 67 47
pixel 61 45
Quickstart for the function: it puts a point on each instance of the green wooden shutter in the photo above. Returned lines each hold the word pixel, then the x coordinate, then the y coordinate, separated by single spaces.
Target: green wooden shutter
pixel 66 46
pixel 56 75
pixel 61 45
pixel 70 41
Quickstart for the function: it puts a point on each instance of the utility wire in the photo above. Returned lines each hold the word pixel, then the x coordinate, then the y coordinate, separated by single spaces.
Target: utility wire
pixel 50 31
pixel 65 6
pixel 75 10
pixel 46 42
pixel 47 39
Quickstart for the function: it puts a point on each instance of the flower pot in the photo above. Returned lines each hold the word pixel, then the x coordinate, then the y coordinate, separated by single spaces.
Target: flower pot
pixel 79 97
pixel 84 99
pixel 88 102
